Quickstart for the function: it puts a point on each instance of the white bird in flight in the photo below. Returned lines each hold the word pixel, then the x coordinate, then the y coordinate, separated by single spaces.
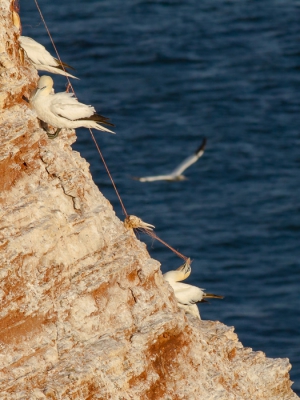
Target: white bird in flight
pixel 42 59
pixel 62 110
pixel 187 295
pixel 176 175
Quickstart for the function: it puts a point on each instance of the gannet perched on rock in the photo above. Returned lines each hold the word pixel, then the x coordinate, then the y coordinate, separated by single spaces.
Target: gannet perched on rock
pixel 42 59
pixel 187 295
pixel 176 175
pixel 62 110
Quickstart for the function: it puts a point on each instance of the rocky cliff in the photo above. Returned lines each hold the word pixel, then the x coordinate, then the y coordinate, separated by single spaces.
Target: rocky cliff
pixel 85 312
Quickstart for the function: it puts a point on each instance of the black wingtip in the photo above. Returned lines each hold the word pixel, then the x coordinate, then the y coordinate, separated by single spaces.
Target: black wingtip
pixel 62 65
pixel 213 296
pixel 202 146
pixel 98 118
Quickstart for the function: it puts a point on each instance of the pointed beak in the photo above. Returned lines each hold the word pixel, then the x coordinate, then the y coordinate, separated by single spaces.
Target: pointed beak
pixel 37 90
pixel 186 267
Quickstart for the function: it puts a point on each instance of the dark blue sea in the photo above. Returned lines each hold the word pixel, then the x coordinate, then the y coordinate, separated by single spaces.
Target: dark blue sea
pixel 169 73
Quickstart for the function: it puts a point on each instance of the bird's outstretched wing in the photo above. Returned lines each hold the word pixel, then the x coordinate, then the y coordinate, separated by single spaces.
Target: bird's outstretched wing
pixel 176 173
pixel 190 160
pixel 153 178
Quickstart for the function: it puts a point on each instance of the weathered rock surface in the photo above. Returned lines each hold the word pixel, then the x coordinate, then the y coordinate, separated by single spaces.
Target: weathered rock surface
pixel 85 312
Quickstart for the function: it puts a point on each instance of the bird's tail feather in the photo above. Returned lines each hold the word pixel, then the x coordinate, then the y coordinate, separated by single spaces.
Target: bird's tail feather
pixel 53 70
pixel 100 127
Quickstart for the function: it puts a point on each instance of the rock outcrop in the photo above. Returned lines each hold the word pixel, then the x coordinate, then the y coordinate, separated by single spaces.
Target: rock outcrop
pixel 85 312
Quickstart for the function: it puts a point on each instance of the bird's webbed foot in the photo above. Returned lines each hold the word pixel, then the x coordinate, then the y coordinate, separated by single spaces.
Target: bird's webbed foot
pixel 45 126
pixel 53 135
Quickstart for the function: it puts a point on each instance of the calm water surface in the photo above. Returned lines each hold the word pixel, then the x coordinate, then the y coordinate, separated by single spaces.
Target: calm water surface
pixel 169 73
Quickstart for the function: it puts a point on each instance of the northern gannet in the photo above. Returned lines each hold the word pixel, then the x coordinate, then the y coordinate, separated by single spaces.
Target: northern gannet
pixel 62 110
pixel 41 58
pixel 187 295
pixel 176 175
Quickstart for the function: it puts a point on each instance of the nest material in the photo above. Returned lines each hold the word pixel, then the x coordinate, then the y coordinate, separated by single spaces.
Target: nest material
pixel 133 222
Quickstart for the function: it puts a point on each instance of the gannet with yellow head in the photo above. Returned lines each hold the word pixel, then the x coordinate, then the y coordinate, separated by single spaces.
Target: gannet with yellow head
pixel 187 295
pixel 62 110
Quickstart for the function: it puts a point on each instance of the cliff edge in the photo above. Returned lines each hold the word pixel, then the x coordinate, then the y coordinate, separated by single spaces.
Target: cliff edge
pixel 85 312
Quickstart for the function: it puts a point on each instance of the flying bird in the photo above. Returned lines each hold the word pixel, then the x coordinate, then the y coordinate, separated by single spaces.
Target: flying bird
pixel 187 295
pixel 62 110
pixel 176 175
pixel 42 59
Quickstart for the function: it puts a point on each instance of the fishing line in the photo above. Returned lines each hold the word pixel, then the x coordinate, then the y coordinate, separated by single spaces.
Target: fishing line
pixel 154 236
pixel 93 137
pixel 148 232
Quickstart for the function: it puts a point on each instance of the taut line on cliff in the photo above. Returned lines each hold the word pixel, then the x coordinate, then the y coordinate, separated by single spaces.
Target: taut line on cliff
pixel 70 85
pixel 147 231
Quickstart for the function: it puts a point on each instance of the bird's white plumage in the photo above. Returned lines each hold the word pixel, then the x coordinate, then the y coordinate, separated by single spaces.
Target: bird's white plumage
pixel 187 163
pixel 62 110
pixel 176 174
pixel 37 52
pixel 41 58
pixel 186 295
pixel 67 106
pixel 158 178
pixel 190 309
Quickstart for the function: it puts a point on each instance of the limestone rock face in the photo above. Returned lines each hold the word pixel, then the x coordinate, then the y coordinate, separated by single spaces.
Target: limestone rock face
pixel 85 312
